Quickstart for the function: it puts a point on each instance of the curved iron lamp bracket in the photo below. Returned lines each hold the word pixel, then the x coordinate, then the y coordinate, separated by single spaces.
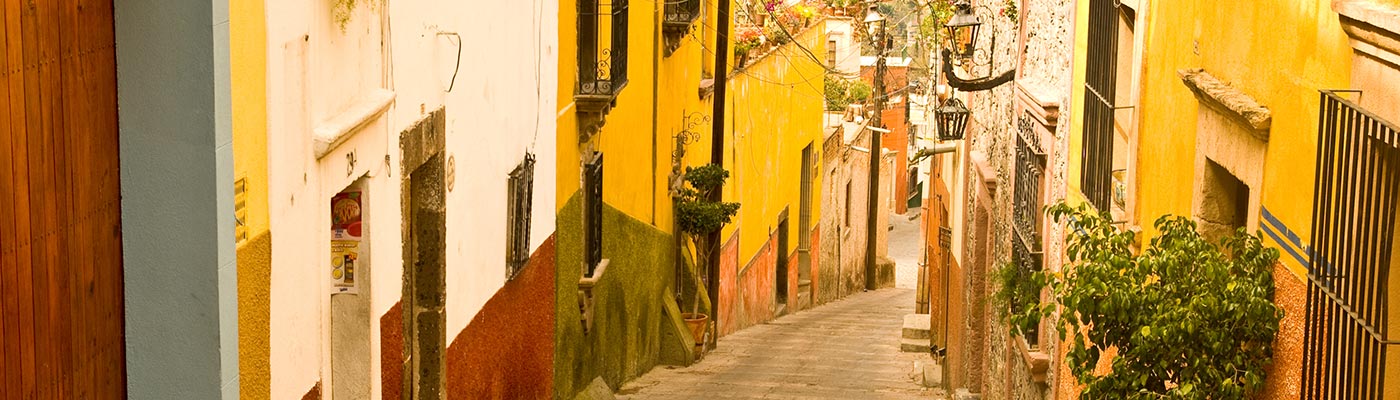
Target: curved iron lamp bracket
pixel 973 85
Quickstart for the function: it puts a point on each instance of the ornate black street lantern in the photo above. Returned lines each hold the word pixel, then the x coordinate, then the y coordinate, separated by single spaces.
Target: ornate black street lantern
pixel 952 119
pixel 962 28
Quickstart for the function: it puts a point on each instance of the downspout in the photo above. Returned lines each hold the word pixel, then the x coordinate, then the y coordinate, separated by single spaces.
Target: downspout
pixel 655 79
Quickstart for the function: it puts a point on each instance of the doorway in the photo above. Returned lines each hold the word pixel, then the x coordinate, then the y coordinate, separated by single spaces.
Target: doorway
pixel 349 302
pixel 781 296
pixel 804 230
pixel 426 284
pixel 425 257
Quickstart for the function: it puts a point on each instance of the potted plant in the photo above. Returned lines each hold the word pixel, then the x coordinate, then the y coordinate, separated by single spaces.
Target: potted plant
pixel 700 217
pixel 747 40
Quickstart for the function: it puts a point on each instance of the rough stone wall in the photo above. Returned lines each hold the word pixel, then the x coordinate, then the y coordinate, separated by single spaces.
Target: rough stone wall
pixel 990 132
pixel 1041 48
pixel 842 246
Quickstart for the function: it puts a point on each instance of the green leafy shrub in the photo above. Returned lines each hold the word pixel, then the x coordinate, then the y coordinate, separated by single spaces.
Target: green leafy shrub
pixel 1188 318
pixel 699 216
pixel 859 92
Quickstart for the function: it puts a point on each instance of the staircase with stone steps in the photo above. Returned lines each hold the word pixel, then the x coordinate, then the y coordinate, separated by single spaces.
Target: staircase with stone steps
pixel 916 336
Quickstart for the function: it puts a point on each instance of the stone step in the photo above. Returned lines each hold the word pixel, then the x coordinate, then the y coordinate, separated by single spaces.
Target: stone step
pixel 914 345
pixel 916 326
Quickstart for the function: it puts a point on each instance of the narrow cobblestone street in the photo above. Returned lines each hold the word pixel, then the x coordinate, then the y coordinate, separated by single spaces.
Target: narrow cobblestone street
pixel 847 349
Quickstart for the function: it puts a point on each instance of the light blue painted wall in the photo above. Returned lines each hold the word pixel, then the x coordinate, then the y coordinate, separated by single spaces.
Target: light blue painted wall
pixel 177 201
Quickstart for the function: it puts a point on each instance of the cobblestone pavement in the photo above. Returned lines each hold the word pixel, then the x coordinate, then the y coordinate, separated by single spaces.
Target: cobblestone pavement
pixel 904 244
pixel 846 349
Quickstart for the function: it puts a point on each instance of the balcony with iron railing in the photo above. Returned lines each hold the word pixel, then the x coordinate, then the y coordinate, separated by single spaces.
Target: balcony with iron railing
pixel 678 20
pixel 602 61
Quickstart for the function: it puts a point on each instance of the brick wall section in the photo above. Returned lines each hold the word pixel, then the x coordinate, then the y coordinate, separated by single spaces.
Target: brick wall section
pixel 898 141
pixel 895 77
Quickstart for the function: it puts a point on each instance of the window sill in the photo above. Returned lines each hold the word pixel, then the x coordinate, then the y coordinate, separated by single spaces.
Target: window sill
pixel 332 133
pixel 585 294
pixel 1037 361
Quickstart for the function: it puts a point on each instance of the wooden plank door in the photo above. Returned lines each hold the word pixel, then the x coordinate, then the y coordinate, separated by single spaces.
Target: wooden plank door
pixel 61 299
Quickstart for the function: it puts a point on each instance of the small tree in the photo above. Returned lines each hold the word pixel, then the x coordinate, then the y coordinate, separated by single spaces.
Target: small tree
pixel 699 216
pixel 1188 318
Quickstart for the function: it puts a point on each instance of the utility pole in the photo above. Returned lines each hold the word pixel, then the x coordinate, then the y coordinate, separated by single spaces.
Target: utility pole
pixel 873 206
pixel 717 158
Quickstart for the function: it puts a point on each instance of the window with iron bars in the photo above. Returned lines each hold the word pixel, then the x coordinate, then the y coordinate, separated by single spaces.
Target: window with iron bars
pixel 602 47
pixel 680 13
pixel 1100 87
pixel 1353 236
pixel 520 193
pixel 1026 202
pixel 593 214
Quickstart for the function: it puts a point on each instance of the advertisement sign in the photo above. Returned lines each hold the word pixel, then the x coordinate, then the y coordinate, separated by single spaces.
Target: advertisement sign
pixel 346 234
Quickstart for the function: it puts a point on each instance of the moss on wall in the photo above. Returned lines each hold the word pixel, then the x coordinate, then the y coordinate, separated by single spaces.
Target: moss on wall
pixel 625 341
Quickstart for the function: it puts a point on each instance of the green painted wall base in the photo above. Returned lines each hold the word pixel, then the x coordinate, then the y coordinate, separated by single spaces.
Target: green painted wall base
pixel 677 344
pixel 626 338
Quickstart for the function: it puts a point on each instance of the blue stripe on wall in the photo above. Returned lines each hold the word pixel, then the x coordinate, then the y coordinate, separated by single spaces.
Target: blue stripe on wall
pixel 1270 231
pixel 1283 229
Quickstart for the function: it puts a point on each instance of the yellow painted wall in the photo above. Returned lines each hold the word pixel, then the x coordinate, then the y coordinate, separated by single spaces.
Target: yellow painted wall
pixel 248 71
pixel 775 110
pixel 1283 74
pixel 638 138
pixel 768 124
pixel 1281 71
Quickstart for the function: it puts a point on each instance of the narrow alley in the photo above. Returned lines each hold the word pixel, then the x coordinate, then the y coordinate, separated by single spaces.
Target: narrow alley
pixel 848 349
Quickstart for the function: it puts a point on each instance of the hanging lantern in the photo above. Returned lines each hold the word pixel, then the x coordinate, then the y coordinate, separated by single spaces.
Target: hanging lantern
pixel 873 19
pixel 952 119
pixel 962 28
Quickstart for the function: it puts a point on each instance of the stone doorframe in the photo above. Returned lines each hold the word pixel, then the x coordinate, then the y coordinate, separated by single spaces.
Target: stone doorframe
pixel 1232 130
pixel 425 141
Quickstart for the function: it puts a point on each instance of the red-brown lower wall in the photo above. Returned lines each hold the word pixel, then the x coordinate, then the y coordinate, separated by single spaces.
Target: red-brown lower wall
pixel 1285 375
pixel 746 297
pixel 728 292
pixel 507 351
pixel 391 352
pixel 314 393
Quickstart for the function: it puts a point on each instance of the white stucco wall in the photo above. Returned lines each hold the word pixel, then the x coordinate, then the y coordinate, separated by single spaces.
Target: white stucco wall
pixel 316 71
pixel 847 49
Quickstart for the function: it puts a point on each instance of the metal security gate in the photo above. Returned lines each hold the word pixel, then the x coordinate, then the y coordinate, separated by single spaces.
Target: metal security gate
pixel 1354 214
pixel 61 300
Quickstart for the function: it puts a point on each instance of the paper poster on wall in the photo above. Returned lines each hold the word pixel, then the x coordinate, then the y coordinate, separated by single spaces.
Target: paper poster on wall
pixel 346 230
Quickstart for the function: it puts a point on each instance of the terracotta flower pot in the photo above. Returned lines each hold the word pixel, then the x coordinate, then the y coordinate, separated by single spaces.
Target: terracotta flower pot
pixel 697 324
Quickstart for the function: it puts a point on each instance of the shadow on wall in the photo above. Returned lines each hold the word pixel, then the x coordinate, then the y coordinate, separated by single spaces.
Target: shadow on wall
pixel 625 341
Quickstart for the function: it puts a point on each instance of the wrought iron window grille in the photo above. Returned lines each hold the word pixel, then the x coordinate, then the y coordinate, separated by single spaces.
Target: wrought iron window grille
pixel 593 214
pixel 1096 176
pixel 1027 254
pixel 1354 208
pixel 602 60
pixel 520 194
